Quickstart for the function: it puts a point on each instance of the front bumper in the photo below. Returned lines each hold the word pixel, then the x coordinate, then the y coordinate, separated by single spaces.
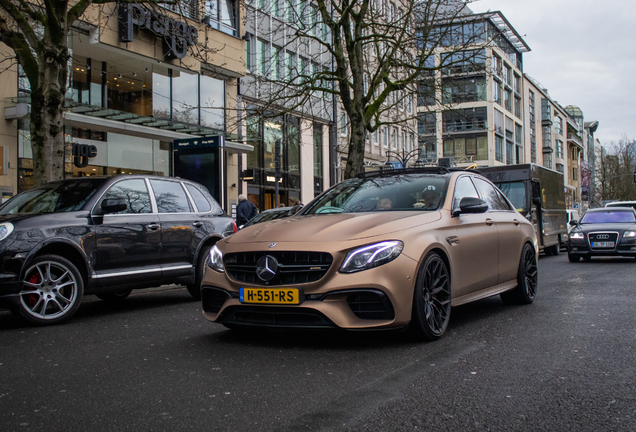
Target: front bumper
pixel 378 298
pixel 626 247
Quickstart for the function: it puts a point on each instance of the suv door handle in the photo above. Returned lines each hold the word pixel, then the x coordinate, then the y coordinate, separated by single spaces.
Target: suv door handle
pixel 516 222
pixel 489 222
pixel 197 224
pixel 153 226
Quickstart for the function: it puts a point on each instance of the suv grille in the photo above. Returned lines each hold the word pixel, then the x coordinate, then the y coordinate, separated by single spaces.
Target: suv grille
pixel 275 317
pixel 293 267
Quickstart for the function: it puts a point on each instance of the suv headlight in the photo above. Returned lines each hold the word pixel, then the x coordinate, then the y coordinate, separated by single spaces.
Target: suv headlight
pixel 629 234
pixel 371 256
pixel 577 235
pixel 216 259
pixel 5 229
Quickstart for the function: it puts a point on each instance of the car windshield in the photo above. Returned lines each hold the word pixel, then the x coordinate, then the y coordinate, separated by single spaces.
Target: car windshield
pixel 396 193
pixel 267 216
pixel 608 216
pixel 54 197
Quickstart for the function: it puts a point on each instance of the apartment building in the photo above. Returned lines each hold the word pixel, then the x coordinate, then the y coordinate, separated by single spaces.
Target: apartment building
pixel 278 59
pixel 476 115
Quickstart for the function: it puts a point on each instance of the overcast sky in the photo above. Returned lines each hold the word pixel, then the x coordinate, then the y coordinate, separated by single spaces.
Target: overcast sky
pixel 583 52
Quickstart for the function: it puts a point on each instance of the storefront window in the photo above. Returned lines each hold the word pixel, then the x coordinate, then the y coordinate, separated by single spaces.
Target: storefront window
pixel 212 102
pixel 185 98
pixel 160 95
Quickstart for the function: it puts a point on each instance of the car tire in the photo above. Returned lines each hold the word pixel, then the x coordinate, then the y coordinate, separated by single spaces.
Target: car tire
pixel 195 288
pixel 431 299
pixel 527 279
pixel 51 291
pixel 573 258
pixel 115 296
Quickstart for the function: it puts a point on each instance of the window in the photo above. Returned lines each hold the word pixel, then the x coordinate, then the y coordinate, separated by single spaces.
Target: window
pixel 221 15
pixel 559 168
pixel 343 123
pixel 559 148
pixel 496 65
pixel 203 205
pixel 508 100
pixel 464 188
pixel 262 57
pixel 170 197
pixel 458 90
pixel 518 106
pixel 499 148
pixel 134 193
pixel 467 119
pixel 276 62
pixel 496 91
pixel 488 193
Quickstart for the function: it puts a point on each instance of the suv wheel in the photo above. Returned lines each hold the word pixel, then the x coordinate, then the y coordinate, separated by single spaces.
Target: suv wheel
pixel 51 292
pixel 195 288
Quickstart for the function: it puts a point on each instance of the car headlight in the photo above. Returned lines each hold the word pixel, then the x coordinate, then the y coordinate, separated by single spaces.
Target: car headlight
pixel 5 229
pixel 577 235
pixel 216 259
pixel 629 234
pixel 371 256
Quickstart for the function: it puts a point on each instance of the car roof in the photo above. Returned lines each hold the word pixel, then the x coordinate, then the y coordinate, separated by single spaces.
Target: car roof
pixel 604 209
pixel 424 170
pixel 619 203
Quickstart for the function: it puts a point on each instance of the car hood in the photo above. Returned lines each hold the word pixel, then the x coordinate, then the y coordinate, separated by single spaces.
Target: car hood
pixel 14 218
pixel 333 227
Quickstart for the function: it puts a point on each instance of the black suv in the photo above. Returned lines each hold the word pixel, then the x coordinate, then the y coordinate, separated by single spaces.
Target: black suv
pixel 103 236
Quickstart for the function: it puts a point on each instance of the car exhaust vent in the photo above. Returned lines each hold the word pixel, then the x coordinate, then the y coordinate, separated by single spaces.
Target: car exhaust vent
pixel 293 267
pixel 275 317
pixel 371 305
pixel 213 299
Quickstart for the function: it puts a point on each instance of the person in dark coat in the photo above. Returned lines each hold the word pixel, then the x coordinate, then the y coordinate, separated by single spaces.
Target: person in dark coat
pixel 245 210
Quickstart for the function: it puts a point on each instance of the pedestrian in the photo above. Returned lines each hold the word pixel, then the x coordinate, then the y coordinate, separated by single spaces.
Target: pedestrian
pixel 245 210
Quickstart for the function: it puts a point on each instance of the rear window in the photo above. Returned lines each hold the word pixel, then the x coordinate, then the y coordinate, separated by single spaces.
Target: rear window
pixel 609 216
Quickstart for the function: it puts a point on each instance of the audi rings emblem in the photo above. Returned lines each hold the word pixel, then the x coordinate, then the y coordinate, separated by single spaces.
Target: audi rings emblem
pixel 602 236
pixel 266 268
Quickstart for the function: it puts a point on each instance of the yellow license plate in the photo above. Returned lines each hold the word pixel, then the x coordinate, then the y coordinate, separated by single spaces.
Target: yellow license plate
pixel 270 295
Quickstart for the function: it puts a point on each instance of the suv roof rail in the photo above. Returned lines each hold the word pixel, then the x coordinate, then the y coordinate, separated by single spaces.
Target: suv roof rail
pixel 422 170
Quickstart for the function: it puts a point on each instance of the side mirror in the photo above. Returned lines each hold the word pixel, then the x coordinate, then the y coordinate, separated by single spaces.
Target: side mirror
pixel 536 200
pixel 113 205
pixel 574 222
pixel 471 205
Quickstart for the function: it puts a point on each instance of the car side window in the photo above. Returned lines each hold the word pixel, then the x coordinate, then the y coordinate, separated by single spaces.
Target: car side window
pixel 492 196
pixel 203 205
pixel 134 192
pixel 463 188
pixel 170 197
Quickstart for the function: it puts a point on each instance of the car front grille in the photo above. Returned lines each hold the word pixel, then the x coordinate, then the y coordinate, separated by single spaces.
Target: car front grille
pixel 372 305
pixel 275 317
pixel 293 267
pixel 596 237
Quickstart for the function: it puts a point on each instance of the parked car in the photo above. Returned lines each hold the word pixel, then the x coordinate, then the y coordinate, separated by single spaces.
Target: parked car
pixel 606 231
pixel 272 214
pixel 572 215
pixel 386 250
pixel 104 236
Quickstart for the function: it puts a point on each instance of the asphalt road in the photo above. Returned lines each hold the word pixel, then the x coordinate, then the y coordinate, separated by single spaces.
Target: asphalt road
pixel 564 363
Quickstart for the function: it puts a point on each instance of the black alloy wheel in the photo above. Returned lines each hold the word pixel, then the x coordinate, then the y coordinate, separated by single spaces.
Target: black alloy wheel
pixel 527 279
pixel 115 296
pixel 51 292
pixel 432 299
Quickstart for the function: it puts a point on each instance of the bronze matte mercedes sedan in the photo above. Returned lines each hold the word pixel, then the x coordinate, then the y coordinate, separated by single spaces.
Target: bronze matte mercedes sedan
pixel 386 250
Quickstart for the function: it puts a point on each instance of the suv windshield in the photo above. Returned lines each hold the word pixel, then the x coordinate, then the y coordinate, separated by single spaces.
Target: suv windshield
pixel 54 197
pixel 608 217
pixel 396 193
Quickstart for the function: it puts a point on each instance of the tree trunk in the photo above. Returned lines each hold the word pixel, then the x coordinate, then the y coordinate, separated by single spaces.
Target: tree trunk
pixel 355 157
pixel 47 117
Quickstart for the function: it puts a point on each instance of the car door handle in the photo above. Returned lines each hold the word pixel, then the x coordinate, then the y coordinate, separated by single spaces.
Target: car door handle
pixel 197 224
pixel 516 222
pixel 489 222
pixel 153 226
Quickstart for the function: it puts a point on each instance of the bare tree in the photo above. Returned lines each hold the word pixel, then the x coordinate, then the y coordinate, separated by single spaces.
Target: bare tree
pixel 615 170
pixel 378 52
pixel 37 32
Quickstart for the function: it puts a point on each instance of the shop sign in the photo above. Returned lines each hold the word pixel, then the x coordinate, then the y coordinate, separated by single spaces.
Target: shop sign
pixel 81 153
pixel 177 35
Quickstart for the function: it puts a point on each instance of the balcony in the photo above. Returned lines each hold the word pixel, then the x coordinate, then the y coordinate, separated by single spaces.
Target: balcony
pixel 574 139
pixel 464 126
